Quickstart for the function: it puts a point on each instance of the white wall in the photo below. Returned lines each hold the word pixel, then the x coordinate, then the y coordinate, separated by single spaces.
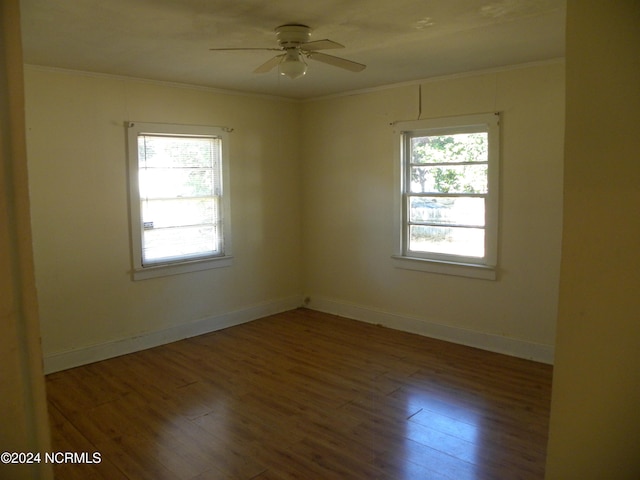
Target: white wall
pixel 90 307
pixel 348 185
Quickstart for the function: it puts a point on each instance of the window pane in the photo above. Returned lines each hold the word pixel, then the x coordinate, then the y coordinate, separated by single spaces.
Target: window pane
pixel 449 179
pixel 461 147
pixel 468 242
pixel 447 210
pixel 179 212
pixel 168 243
pixel 175 182
pixel 157 151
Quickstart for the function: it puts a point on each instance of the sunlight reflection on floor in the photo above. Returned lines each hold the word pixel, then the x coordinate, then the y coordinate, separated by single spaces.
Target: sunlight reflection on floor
pixel 450 431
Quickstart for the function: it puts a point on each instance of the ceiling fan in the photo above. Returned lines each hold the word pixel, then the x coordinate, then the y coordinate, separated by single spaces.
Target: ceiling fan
pixel 295 45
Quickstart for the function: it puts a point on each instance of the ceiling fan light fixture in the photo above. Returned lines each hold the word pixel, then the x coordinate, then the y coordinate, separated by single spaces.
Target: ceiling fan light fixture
pixel 294 46
pixel 293 65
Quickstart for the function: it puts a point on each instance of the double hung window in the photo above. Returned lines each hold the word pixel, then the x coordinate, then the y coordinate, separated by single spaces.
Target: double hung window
pixel 448 194
pixel 179 202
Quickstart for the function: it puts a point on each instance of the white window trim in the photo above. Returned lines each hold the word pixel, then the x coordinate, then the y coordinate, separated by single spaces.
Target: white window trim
pixel 140 272
pixel 448 264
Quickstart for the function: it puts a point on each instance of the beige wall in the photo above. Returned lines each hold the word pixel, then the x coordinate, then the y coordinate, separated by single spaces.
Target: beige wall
pixel 595 416
pixel 312 213
pixel 24 426
pixel 78 181
pixel 348 179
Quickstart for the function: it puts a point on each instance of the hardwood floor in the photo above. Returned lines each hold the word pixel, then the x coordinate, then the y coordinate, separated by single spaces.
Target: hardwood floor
pixel 304 395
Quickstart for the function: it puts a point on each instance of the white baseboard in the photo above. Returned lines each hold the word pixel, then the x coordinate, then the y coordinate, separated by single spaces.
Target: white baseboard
pixel 486 341
pixel 63 360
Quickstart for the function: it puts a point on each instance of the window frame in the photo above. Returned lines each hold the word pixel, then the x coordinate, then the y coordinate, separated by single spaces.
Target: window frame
pixel 186 264
pixel 476 267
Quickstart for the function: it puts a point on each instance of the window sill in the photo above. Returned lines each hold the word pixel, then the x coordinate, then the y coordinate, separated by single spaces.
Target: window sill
pixel 445 268
pixel 183 267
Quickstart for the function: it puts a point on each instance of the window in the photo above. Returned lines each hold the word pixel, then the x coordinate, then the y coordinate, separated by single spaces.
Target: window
pixel 178 198
pixel 448 195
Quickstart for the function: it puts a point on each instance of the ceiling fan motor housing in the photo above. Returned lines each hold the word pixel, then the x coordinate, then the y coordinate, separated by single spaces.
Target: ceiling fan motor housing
pixel 290 36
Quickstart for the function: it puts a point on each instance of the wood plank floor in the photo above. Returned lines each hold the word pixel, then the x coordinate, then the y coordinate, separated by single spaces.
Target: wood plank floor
pixel 304 395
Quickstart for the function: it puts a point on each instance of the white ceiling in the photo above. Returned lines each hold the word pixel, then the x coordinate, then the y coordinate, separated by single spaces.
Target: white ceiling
pixel 398 40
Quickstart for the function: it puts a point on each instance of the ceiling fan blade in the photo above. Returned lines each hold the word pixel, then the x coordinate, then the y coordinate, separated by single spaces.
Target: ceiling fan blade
pixel 242 48
pixel 321 45
pixel 337 61
pixel 269 64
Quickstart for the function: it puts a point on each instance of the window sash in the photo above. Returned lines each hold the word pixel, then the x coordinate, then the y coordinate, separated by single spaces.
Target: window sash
pixel 172 171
